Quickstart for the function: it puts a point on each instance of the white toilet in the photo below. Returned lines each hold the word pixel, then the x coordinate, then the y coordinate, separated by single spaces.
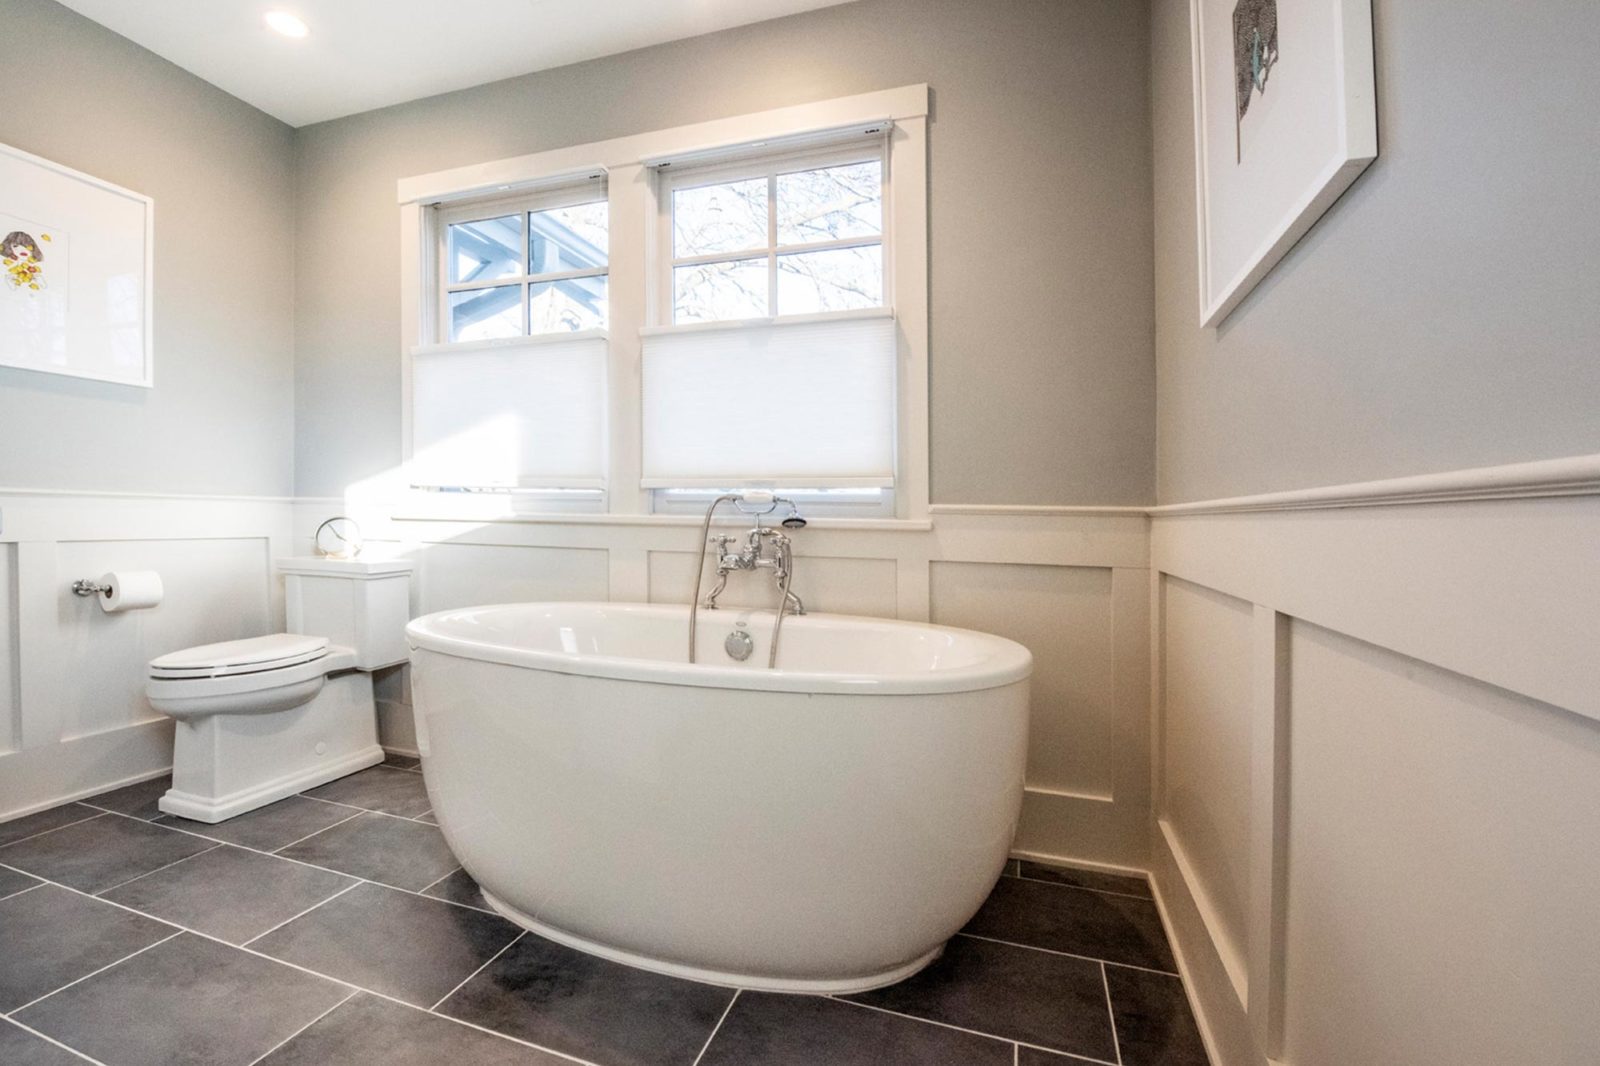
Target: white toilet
pixel 266 717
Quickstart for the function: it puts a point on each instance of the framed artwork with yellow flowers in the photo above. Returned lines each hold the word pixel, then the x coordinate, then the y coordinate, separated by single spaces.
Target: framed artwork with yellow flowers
pixel 75 265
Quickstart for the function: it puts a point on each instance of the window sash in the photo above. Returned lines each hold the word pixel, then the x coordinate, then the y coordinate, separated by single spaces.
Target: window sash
pixel 769 167
pixel 594 190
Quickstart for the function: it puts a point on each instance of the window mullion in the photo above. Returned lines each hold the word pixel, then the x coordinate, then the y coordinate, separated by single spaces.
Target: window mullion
pixel 772 242
pixel 526 231
pixel 537 279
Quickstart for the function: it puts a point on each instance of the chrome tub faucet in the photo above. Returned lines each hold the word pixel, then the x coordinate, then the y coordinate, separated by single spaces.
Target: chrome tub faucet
pixel 764 548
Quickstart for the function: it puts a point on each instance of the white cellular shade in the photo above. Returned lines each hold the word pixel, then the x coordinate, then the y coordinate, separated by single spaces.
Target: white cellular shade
pixel 807 404
pixel 529 415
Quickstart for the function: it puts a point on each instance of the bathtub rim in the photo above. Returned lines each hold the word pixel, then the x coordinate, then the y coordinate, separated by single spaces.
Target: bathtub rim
pixel 1008 664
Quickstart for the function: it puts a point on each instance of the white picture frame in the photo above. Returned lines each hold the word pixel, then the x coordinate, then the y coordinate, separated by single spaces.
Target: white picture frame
pixel 1271 159
pixel 76 271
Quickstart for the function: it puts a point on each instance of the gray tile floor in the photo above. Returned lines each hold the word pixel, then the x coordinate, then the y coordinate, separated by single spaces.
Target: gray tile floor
pixel 336 927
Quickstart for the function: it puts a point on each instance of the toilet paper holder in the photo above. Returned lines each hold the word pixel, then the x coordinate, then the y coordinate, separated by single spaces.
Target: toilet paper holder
pixel 117 591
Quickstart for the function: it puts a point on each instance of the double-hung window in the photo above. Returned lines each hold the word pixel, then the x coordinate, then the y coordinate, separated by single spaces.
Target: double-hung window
pixel 632 324
pixel 773 359
pixel 512 393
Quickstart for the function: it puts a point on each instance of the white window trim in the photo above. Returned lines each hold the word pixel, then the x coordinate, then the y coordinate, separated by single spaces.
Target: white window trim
pixel 635 288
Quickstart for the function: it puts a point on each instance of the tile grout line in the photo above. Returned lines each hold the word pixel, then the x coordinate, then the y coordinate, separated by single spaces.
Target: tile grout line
pixel 1080 888
pixel 972 1032
pixel 354 992
pixel 302 914
pixel 20 891
pixel 355 812
pixel 568 1056
pixel 423 891
pixel 440 1001
pixel 203 936
pixel 1069 954
pixel 110 810
pixel 52 1040
pixel 370 810
pixel 158 869
pixel 302 862
pixel 177 930
pixel 715 1029
pixel 1111 1014
pixel 98 812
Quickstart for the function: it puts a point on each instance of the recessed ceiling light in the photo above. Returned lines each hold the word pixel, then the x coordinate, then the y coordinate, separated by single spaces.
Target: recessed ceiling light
pixel 287 24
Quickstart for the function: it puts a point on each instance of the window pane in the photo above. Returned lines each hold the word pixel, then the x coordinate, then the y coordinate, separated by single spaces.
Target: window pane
pixel 567 306
pixel 567 238
pixel 719 218
pixel 840 279
pixel 486 250
pixel 712 292
pixel 486 314
pixel 830 204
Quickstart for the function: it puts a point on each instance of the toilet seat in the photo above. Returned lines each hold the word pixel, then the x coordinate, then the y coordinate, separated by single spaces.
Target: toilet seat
pixel 255 655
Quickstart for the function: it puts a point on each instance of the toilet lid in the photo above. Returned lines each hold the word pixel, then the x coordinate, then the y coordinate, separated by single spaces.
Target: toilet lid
pixel 253 655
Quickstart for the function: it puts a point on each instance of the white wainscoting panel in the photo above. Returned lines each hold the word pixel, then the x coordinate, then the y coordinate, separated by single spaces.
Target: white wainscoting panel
pixel 1203 791
pixel 1063 615
pixel 1445 837
pixel 1407 703
pixel 463 575
pixel 10 705
pixel 829 585
pixel 1502 590
pixel 73 717
pixel 214 590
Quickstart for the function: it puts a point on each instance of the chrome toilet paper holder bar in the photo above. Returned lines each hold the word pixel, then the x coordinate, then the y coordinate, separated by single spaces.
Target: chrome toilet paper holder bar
pixel 88 586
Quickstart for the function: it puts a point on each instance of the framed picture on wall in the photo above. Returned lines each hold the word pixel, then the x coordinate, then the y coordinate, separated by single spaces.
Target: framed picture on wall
pixel 75 268
pixel 1285 114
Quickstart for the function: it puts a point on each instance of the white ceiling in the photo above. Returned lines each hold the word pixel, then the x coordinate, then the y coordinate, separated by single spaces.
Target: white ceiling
pixel 363 54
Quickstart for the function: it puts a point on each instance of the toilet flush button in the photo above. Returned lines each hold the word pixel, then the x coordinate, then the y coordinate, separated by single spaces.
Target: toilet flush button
pixel 322 749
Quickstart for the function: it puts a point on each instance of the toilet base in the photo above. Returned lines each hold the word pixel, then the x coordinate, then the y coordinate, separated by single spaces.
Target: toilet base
pixel 226 764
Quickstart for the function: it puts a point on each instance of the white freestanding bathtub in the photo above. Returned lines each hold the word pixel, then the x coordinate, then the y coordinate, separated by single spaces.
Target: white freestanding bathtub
pixel 822 827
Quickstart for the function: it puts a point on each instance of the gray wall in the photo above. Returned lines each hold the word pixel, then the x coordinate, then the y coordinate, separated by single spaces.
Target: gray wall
pixel 221 417
pixel 1042 373
pixel 1445 313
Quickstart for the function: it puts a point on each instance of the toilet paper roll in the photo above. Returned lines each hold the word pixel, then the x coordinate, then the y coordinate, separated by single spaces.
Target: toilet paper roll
pixel 130 590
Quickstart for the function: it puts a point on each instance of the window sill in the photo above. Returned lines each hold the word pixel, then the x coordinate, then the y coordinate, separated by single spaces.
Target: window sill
pixel 885 525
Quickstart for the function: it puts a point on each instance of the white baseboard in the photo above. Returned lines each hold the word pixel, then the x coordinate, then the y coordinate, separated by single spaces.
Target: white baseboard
pixel 1075 863
pixel 1201 1017
pixel 82 794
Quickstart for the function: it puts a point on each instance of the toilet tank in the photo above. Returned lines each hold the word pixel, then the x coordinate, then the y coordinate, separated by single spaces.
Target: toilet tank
pixel 362 604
